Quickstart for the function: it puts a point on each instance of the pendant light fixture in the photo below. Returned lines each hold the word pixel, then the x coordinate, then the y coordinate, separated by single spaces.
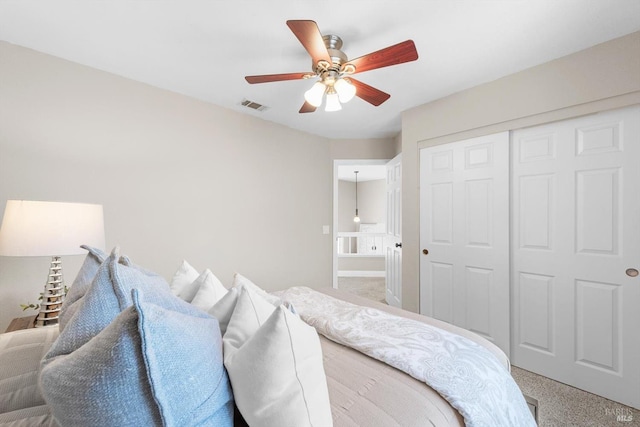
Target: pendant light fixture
pixel 356 218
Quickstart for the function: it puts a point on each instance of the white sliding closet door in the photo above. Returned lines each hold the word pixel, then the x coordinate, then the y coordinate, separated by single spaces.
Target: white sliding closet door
pixel 464 235
pixel 576 251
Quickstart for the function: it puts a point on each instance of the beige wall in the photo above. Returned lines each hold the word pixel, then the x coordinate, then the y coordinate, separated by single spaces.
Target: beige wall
pixel 178 178
pixel 362 264
pixel 372 201
pixel 346 206
pixel 397 144
pixel 372 206
pixel 181 178
pixel 363 149
pixel 603 77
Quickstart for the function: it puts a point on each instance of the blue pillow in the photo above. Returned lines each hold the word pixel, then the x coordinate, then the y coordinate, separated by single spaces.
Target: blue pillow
pixel 81 283
pixel 107 296
pixel 151 366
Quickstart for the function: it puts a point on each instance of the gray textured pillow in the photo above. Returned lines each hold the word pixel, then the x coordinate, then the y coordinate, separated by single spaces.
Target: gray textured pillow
pixel 151 366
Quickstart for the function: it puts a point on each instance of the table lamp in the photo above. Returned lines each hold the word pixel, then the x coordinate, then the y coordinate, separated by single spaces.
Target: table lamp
pixel 33 228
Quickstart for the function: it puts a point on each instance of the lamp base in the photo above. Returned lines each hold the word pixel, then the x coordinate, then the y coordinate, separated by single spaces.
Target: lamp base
pixel 53 295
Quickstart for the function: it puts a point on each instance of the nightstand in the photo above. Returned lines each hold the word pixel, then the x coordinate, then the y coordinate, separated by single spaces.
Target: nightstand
pixel 19 323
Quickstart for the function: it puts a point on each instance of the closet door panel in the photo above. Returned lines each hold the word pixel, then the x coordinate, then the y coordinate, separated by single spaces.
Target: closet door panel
pixel 464 222
pixel 575 245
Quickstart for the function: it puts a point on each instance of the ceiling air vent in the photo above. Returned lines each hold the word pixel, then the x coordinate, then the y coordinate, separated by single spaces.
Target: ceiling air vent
pixel 253 105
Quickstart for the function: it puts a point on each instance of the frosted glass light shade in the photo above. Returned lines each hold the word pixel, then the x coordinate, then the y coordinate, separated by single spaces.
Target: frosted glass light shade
pixel 346 90
pixel 314 95
pixel 31 228
pixel 333 102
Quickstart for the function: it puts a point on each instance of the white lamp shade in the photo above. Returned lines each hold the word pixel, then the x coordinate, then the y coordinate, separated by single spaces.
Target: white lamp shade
pixel 31 228
pixel 346 90
pixel 314 95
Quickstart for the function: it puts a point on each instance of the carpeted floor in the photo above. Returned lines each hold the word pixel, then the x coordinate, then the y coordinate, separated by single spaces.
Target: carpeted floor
pixel 367 287
pixel 559 405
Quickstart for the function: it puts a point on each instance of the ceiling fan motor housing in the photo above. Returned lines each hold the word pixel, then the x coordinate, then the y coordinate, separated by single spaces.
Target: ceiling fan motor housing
pixel 333 44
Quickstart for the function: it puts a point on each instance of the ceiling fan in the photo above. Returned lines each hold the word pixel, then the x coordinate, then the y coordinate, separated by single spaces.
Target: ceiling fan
pixel 334 70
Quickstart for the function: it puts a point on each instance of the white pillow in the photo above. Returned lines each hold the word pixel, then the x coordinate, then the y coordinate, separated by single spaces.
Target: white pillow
pixel 185 275
pixel 249 313
pixel 208 289
pixel 240 280
pixel 223 309
pixel 276 370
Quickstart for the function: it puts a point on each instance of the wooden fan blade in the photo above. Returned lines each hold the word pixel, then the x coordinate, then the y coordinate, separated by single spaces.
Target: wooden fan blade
pixel 369 93
pixel 311 38
pixel 392 55
pixel 307 108
pixel 266 78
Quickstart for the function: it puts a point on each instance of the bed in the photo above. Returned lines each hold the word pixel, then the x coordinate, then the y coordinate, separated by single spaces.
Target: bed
pixel 362 391
pixel 368 392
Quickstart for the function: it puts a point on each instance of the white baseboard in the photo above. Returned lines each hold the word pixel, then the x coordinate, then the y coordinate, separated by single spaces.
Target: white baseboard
pixel 360 273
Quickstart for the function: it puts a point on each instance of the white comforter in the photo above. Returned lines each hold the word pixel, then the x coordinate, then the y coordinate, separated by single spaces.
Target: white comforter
pixel 468 376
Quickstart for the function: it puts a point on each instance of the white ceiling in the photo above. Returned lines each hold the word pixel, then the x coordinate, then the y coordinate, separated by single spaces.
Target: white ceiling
pixel 204 49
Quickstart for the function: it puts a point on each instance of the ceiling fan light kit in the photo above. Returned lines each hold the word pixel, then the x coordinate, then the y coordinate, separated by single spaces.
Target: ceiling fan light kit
pixel 342 88
pixel 333 69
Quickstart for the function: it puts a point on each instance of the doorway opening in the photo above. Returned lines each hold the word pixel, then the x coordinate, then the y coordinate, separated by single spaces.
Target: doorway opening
pixel 358 249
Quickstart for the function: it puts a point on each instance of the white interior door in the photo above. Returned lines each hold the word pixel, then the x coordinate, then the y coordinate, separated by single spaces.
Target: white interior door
pixel 393 246
pixel 464 235
pixel 575 251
